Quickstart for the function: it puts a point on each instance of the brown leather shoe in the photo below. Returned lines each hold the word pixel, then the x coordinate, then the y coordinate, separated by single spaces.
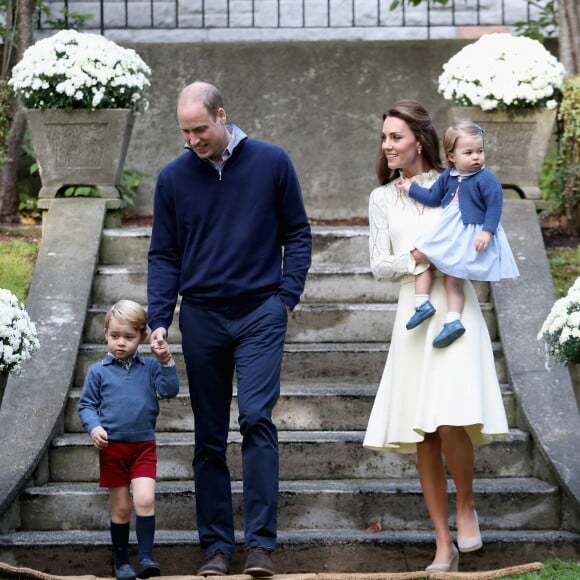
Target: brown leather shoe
pixel 258 563
pixel 217 564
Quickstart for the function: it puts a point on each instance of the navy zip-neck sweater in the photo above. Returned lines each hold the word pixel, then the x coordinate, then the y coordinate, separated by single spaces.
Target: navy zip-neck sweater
pixel 230 237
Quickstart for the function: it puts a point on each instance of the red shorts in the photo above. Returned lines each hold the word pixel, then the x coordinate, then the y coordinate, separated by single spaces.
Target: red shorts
pixel 121 462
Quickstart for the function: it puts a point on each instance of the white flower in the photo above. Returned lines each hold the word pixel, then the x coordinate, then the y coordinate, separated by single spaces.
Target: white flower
pixel 69 69
pixel 560 332
pixel 18 339
pixel 504 73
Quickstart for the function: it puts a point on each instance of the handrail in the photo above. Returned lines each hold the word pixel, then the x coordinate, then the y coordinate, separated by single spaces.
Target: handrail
pixel 282 14
pixel 57 302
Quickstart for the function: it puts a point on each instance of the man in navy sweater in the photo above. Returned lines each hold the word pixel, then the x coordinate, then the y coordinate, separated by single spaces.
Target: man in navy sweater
pixel 231 236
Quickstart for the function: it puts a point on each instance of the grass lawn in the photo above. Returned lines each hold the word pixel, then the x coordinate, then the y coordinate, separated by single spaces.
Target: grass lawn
pixel 553 570
pixel 17 259
pixel 564 266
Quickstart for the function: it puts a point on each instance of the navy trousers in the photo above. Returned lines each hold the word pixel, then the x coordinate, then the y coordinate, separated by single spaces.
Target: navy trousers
pixel 215 342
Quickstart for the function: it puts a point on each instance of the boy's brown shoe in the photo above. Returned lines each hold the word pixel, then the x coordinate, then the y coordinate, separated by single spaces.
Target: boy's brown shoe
pixel 259 564
pixel 217 564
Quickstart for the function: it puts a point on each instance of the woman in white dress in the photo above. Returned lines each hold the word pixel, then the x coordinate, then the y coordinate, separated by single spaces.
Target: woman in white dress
pixel 438 403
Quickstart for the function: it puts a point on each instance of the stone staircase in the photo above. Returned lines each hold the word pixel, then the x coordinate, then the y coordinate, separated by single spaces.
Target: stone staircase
pixel 331 489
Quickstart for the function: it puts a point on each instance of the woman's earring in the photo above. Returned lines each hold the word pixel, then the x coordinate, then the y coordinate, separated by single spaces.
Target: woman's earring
pixel 419 150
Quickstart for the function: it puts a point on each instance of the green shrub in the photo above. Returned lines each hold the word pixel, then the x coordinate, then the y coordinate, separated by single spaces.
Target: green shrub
pixel 560 181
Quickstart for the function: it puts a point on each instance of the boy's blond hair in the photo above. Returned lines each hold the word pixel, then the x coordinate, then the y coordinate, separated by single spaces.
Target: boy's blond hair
pixel 459 129
pixel 130 312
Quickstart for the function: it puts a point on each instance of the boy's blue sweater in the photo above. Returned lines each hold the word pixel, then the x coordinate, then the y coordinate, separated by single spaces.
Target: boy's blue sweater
pixel 228 239
pixel 124 400
pixel 480 196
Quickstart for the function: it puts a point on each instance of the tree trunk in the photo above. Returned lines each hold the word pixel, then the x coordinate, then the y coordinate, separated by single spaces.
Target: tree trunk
pixel 9 172
pixel 8 177
pixel 569 36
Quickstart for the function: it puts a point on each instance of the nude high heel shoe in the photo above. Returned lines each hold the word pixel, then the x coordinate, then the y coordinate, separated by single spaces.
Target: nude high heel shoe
pixel 451 566
pixel 472 543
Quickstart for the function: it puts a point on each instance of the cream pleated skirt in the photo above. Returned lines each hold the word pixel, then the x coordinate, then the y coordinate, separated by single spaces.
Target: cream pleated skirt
pixel 423 387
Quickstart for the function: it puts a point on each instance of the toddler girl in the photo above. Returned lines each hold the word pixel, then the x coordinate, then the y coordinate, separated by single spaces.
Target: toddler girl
pixel 469 242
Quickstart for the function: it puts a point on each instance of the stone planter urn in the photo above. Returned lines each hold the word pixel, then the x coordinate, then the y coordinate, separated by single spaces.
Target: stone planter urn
pixel 80 147
pixel 515 144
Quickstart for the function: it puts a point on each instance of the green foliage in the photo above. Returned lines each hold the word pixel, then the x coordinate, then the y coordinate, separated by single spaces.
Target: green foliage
pixel 560 181
pixel 27 207
pixel 131 179
pixel 65 19
pixel 128 187
pixel 80 191
pixel 546 24
pixel 551 182
pixel 396 3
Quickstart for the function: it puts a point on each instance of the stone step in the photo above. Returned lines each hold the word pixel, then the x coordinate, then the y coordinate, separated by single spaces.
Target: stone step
pixel 325 362
pixel 326 282
pixel 303 455
pixel 82 552
pixel 323 284
pixel 502 504
pixel 339 253
pixel 309 407
pixel 330 245
pixel 313 323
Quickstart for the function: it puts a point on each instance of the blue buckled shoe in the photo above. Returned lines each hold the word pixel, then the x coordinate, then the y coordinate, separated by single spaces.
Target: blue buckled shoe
pixel 149 568
pixel 125 572
pixel 426 310
pixel 450 333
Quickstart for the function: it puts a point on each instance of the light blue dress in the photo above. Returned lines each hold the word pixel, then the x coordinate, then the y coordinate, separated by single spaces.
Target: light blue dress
pixel 450 247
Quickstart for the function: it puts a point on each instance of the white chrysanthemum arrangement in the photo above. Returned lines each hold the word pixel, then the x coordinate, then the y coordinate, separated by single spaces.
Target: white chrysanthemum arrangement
pixel 560 332
pixel 502 72
pixel 18 338
pixel 74 70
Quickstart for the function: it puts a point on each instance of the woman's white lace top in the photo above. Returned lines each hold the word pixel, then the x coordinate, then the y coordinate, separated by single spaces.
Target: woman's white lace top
pixel 395 221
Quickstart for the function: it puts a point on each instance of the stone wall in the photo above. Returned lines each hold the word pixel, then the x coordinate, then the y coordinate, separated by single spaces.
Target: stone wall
pixel 321 101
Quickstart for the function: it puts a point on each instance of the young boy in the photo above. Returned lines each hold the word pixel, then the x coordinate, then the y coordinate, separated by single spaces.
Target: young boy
pixel 118 408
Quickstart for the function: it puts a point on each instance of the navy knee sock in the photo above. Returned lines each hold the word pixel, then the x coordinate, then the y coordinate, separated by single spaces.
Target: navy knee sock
pixel 145 528
pixel 120 539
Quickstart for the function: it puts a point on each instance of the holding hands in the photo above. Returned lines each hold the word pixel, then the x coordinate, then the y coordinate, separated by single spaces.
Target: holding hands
pixel 160 347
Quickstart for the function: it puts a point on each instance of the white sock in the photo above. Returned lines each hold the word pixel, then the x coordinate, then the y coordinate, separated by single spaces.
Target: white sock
pixel 451 316
pixel 420 299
